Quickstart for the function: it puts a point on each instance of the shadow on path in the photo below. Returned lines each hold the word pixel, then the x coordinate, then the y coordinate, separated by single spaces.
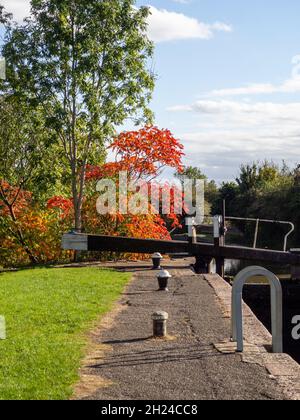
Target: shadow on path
pixel 167 355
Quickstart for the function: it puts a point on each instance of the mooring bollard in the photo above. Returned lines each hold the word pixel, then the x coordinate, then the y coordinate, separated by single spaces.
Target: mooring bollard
pixel 163 280
pixel 160 324
pixel 156 259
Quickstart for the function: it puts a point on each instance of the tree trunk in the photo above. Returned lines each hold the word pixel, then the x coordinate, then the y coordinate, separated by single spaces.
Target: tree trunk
pixel 78 216
pixel 78 223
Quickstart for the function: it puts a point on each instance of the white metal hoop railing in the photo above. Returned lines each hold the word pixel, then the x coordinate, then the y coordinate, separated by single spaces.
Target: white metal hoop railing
pixel 276 307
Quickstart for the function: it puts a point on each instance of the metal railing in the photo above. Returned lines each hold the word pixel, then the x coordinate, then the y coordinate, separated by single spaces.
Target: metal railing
pixel 276 307
pixel 258 221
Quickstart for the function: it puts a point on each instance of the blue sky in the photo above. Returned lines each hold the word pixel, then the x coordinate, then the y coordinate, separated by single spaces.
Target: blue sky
pixel 227 86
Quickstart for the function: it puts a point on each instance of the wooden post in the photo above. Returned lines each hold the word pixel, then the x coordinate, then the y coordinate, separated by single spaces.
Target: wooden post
pixel 202 265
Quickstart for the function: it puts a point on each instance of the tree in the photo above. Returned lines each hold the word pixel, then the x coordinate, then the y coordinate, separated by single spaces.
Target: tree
pixel 143 154
pixel 211 189
pixel 22 159
pixel 85 63
pixel 259 175
pixel 248 178
pixel 190 172
pixel 5 18
pixel 146 152
pixel 229 192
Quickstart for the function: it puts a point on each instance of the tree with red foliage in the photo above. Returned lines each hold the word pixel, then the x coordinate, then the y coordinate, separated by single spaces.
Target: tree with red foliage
pixel 13 200
pixel 145 153
pixel 65 205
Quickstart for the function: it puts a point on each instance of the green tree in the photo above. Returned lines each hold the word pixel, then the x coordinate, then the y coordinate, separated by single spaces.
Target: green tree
pixel 229 192
pixel 23 164
pixel 86 64
pixel 190 172
pixel 259 175
pixel 262 190
pixel 248 178
pixel 211 189
pixel 5 18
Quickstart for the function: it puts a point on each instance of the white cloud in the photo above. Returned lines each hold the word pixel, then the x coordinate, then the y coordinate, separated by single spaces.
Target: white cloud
pixel 164 25
pixel 168 26
pixel 220 152
pixel 291 85
pixel 230 130
pixel 182 1
pixel 234 109
pixel 228 133
pixel 19 8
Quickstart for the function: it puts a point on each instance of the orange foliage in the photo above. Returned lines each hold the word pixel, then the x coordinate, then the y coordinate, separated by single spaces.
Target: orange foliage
pixel 15 197
pixel 145 152
pixel 25 224
pixel 65 205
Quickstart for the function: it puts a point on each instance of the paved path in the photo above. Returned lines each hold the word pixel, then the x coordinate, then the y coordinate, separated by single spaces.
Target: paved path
pixel 187 366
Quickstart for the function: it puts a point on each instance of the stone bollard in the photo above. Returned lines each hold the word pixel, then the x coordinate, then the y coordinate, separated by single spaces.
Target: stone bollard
pixel 156 259
pixel 163 280
pixel 160 324
pixel 295 269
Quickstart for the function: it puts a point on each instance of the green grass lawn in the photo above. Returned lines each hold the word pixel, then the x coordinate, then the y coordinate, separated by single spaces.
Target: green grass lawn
pixel 47 312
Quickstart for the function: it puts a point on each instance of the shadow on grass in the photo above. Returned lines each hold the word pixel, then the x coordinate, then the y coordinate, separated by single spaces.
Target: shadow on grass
pixel 54 266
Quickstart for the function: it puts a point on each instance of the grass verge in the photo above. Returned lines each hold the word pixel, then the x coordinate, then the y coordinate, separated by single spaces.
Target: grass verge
pixel 47 313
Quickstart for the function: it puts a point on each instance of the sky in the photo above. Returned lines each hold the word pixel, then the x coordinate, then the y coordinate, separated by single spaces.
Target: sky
pixel 228 79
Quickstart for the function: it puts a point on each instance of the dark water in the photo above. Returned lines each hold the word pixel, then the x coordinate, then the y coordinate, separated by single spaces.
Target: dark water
pixel 233 267
pixel 258 298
